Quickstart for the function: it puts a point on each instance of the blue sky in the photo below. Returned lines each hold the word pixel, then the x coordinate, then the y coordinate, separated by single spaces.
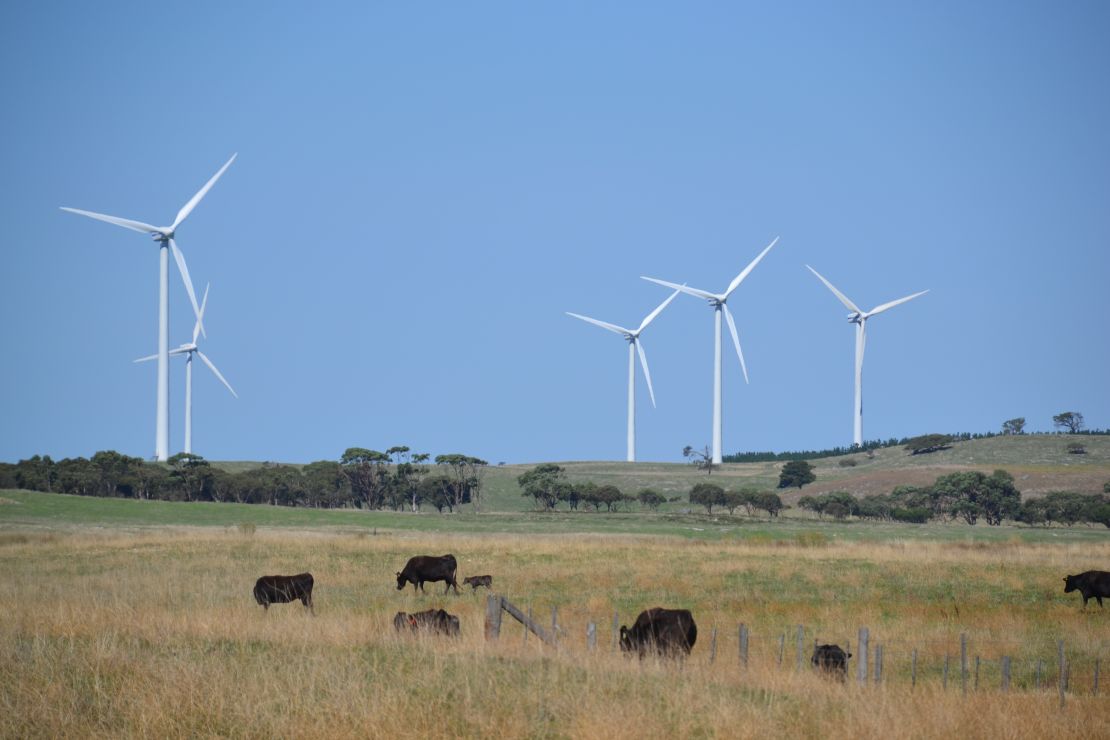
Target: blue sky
pixel 422 191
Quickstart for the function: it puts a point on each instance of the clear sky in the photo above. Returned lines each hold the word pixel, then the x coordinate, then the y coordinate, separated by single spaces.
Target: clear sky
pixel 423 189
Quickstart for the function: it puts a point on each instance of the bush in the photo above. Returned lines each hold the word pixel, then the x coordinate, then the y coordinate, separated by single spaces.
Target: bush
pixel 848 462
pixel 910 516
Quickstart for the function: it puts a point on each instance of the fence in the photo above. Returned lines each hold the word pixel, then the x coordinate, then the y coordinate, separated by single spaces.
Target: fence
pixel 876 662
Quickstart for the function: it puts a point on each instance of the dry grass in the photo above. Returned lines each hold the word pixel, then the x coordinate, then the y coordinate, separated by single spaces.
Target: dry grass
pixel 156 635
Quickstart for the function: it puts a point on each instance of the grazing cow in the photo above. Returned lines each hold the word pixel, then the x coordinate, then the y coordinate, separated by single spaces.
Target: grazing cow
pixel 1092 584
pixel 831 659
pixel 666 632
pixel 476 581
pixel 283 589
pixel 435 621
pixel 429 568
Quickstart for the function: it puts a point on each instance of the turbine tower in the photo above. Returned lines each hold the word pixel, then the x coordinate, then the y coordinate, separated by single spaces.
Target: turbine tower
pixel 189 350
pixel 163 236
pixel 632 336
pixel 859 318
pixel 719 303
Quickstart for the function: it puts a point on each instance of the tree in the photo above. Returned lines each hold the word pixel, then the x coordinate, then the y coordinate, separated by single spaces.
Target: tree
pixel 707 495
pixel 650 498
pixel 77 476
pixel 769 502
pixel 368 474
pixel 189 473
pixel 325 484
pixel 466 478
pixel 796 473
pixel 701 459
pixel 1014 426
pixel 973 494
pixel 1069 420
pixel 542 483
pixel 927 443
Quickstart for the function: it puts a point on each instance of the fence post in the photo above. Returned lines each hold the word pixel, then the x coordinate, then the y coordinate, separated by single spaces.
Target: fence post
pixel 963 663
pixel 913 670
pixel 1005 672
pixel 493 617
pixel 744 648
pixel 1037 675
pixel 555 623
pixel 1094 689
pixel 782 645
pixel 1063 670
pixel 616 631
pixel 944 682
pixel 591 636
pixel 975 686
pixel 861 666
pixel 713 645
pixel 801 648
pixel 530 619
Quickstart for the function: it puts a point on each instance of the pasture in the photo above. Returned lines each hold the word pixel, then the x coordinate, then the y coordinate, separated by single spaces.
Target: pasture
pixel 150 629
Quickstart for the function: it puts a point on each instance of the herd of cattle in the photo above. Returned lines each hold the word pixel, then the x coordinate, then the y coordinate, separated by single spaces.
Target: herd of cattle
pixel 659 631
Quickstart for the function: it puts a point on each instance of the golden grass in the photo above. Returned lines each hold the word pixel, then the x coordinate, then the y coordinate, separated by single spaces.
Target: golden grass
pixel 156 634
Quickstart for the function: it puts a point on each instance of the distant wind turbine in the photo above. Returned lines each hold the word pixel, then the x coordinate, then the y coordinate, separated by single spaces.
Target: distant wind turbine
pixel 632 336
pixel 163 235
pixel 859 318
pixel 189 350
pixel 718 301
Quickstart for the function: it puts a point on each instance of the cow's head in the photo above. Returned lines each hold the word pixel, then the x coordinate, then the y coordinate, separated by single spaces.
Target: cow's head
pixel 401 581
pixel 1069 584
pixel 626 640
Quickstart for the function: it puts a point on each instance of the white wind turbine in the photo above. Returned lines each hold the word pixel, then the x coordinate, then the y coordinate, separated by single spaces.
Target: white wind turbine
pixel 632 336
pixel 859 318
pixel 189 350
pixel 163 235
pixel 718 301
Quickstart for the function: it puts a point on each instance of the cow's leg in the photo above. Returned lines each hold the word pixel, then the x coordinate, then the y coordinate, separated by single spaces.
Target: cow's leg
pixel 1099 601
pixel 307 601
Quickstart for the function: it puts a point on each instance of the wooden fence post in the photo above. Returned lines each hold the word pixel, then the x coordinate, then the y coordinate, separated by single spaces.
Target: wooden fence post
pixel 913 670
pixel 963 663
pixel 861 666
pixel 616 631
pixel 713 645
pixel 1094 689
pixel 1038 672
pixel 1005 672
pixel 591 636
pixel 782 645
pixel 744 649
pixel 1063 670
pixel 878 664
pixel 493 617
pixel 975 686
pixel 800 649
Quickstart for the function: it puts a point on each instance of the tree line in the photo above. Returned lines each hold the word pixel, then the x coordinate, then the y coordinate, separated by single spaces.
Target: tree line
pixel 547 486
pixel 396 479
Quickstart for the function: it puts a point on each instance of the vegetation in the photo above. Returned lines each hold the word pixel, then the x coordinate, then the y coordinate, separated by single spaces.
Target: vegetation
pixel 1072 421
pixel 796 474
pixel 927 443
pixel 1014 426
pixel 701 459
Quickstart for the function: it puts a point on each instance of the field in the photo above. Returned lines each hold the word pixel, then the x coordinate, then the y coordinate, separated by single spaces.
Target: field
pixel 144 625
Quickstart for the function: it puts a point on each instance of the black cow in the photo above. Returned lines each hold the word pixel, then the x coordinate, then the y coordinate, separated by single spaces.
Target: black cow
pixel 1092 584
pixel 433 620
pixel 429 568
pixel 475 581
pixel 665 632
pixel 831 659
pixel 283 589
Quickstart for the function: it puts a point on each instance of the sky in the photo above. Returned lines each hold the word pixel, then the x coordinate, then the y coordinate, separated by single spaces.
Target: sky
pixel 423 190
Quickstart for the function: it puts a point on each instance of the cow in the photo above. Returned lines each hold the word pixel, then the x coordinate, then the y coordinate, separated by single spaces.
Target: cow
pixel 665 632
pixel 435 621
pixel 283 589
pixel 475 581
pixel 831 659
pixel 1092 584
pixel 428 568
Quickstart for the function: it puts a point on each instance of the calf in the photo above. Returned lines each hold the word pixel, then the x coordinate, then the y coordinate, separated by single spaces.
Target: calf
pixel 435 621
pixel 475 581
pixel 283 589
pixel 665 632
pixel 831 659
pixel 429 568
pixel 1092 584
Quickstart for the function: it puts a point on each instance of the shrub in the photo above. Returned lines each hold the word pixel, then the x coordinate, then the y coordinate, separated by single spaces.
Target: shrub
pixel 910 516
pixel 848 462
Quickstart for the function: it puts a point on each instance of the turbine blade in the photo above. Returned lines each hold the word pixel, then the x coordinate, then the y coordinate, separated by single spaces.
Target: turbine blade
pixel 892 304
pixel 124 222
pixel 843 298
pixel 180 258
pixel 148 358
pixel 735 340
pixel 200 316
pixel 602 324
pixel 188 207
pixel 683 289
pixel 217 372
pixel 651 316
pixel 647 373
pixel 740 278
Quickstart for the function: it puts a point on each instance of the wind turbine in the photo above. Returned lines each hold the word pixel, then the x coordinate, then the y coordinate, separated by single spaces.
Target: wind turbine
pixel 719 303
pixel 189 350
pixel 163 236
pixel 859 318
pixel 632 336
